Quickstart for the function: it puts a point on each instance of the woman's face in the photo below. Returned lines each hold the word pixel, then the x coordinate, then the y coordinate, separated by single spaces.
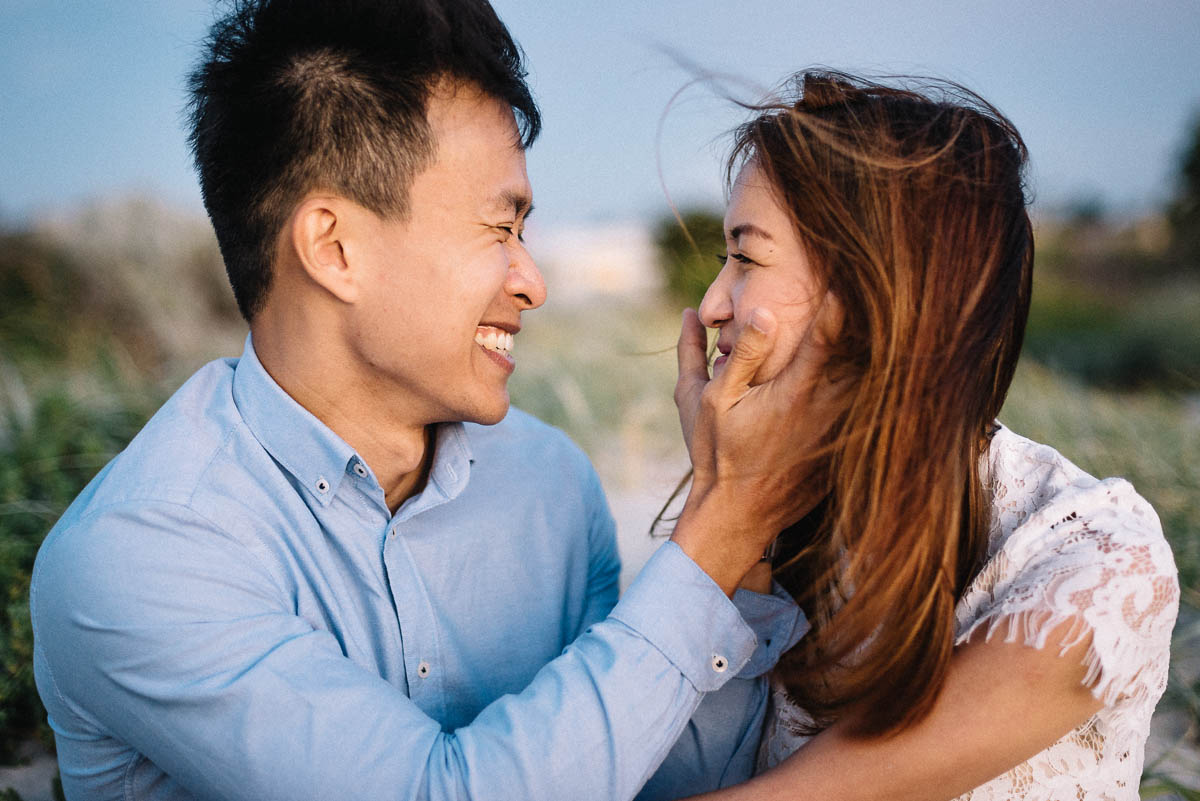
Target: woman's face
pixel 766 266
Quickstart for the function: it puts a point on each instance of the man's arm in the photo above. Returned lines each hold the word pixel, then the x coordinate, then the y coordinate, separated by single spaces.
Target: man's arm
pixel 719 746
pixel 157 628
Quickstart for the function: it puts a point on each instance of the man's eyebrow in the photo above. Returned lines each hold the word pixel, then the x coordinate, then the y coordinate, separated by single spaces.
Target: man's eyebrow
pixel 748 229
pixel 519 202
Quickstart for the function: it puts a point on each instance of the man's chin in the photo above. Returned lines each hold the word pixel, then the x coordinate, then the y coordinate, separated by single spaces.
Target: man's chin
pixel 492 414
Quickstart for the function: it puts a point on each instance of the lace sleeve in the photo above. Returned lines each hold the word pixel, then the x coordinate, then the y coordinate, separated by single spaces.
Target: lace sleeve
pixel 1094 554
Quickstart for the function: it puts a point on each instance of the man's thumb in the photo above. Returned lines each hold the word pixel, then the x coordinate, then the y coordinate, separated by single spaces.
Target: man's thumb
pixel 750 350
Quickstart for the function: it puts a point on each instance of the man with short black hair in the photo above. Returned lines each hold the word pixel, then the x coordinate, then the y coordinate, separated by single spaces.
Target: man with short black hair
pixel 340 566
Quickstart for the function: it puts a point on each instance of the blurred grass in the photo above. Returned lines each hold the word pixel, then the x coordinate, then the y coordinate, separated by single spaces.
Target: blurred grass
pixel 47 456
pixel 605 374
pixel 1118 339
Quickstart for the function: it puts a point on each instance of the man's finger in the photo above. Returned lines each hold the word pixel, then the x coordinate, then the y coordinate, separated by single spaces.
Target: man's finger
pixel 749 352
pixel 691 351
pixel 802 374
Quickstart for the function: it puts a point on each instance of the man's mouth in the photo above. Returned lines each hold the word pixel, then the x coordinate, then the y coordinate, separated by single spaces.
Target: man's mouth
pixel 494 339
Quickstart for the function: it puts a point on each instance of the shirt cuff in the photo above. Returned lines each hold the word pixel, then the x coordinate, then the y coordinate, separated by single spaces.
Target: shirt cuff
pixel 680 610
pixel 778 623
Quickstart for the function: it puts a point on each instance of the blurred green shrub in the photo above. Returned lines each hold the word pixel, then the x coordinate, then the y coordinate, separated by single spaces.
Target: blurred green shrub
pixel 57 311
pixel 46 459
pixel 1127 340
pixel 101 305
pixel 1184 210
pixel 690 255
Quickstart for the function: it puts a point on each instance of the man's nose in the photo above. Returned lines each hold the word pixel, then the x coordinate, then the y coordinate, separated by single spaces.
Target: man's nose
pixel 525 282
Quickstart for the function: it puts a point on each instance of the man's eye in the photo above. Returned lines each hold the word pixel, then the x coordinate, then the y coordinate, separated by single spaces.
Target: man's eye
pixel 509 231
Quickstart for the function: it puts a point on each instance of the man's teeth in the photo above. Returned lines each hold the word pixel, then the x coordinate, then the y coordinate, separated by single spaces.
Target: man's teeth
pixel 494 339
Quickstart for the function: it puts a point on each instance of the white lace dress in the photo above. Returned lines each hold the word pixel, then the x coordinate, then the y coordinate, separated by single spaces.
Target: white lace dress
pixel 1063 545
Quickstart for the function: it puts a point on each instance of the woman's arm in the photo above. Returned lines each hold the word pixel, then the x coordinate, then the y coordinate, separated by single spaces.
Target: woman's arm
pixel 1001 704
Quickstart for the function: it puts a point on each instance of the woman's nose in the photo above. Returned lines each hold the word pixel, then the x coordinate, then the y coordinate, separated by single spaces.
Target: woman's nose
pixel 716 308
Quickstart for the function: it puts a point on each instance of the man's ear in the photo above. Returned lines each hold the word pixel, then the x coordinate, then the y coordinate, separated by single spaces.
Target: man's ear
pixel 316 231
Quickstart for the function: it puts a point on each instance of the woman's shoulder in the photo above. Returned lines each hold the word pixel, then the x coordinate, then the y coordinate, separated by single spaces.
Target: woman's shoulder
pixel 1040 498
pixel 1068 546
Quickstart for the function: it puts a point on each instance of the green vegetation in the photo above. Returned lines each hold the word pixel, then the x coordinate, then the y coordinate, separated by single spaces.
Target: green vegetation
pixel 46 459
pixel 689 252
pixel 1151 338
pixel 89 338
pixel 1184 210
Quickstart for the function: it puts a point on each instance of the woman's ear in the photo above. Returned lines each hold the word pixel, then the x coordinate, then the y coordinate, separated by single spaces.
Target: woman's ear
pixel 317 229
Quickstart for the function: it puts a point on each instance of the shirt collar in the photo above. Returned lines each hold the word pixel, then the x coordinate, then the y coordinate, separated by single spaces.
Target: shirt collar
pixel 306 447
pixel 448 475
pixel 317 457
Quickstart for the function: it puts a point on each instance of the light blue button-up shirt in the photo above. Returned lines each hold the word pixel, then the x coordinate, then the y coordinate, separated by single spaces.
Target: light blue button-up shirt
pixel 229 610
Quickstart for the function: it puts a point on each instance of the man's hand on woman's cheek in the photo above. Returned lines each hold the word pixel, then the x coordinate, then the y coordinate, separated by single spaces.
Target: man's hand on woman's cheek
pixel 754 449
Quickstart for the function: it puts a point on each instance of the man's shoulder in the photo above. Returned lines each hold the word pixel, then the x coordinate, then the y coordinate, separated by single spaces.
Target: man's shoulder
pixel 166 462
pixel 149 506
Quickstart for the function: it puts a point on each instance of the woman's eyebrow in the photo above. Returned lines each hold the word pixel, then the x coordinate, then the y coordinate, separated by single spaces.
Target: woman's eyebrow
pixel 748 229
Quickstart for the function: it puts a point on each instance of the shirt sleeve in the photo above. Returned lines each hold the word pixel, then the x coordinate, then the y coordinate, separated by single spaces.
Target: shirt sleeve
pixel 778 624
pixel 1094 555
pixel 719 746
pixel 155 627
pixel 604 562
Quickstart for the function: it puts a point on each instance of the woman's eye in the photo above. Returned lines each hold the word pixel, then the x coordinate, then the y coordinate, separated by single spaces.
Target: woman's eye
pixel 740 258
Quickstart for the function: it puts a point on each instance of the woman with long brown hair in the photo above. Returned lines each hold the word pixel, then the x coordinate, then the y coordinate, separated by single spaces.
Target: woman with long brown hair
pixel 988 621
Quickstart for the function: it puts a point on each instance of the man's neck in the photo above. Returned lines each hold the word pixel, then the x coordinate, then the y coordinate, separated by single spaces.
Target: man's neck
pixel 400 453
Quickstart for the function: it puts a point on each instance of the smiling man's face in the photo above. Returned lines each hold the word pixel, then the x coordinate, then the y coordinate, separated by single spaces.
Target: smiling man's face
pixel 444 287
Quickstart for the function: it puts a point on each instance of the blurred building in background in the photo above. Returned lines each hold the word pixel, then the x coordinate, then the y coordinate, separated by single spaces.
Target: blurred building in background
pixel 585 262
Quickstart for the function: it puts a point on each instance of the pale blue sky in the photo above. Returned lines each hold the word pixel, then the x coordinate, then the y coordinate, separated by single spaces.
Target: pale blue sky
pixel 91 93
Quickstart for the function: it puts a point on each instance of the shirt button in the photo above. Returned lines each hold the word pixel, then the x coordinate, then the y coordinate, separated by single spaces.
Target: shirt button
pixel 423 670
pixel 360 469
pixel 719 663
pixel 322 485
